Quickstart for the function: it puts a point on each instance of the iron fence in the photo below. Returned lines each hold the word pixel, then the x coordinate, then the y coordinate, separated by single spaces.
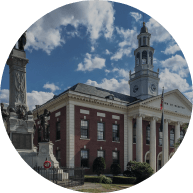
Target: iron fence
pixel 66 177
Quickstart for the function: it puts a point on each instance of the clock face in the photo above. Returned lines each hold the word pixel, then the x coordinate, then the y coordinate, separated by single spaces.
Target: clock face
pixel 153 87
pixel 135 88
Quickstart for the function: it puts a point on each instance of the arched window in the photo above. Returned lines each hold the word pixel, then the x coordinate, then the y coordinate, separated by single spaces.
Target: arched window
pixel 144 41
pixel 172 137
pixel 134 133
pixel 148 41
pixel 148 134
pixel 160 137
pixel 137 58
pixel 144 57
pixel 139 42
pixel 150 58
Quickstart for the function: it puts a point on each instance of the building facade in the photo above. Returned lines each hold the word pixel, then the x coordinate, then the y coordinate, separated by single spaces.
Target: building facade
pixel 88 122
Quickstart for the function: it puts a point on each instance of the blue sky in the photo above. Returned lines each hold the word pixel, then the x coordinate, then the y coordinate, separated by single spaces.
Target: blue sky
pixel 93 43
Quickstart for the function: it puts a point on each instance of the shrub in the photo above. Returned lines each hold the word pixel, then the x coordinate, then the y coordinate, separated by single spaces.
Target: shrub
pixel 94 179
pixel 99 165
pixel 141 171
pixel 105 180
pixel 123 180
pixel 115 169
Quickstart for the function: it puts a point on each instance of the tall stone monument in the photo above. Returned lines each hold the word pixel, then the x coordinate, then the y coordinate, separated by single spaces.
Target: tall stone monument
pixel 20 124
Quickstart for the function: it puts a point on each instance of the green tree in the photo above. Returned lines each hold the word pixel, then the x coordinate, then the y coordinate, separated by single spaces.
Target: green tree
pixel 141 171
pixel 99 165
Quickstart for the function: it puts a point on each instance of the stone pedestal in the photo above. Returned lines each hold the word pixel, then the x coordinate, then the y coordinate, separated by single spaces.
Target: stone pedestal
pixel 46 152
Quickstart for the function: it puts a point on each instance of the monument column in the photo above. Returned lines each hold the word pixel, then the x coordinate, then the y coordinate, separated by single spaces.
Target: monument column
pixel 130 138
pixel 165 149
pixel 139 139
pixel 153 143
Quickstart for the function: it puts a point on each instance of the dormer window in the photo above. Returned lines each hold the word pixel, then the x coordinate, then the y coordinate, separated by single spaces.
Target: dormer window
pixel 111 97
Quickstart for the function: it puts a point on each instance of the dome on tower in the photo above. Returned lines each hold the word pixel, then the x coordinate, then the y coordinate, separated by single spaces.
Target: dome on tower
pixel 144 29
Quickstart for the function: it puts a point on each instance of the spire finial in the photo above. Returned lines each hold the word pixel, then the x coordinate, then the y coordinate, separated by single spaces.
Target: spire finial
pixel 143 23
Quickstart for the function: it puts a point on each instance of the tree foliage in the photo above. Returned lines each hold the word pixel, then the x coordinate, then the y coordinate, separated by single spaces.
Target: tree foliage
pixel 141 171
pixel 99 165
pixel 115 169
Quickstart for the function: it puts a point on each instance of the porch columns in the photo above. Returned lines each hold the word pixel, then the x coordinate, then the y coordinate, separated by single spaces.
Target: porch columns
pixel 153 143
pixel 165 149
pixel 177 131
pixel 139 139
pixel 130 138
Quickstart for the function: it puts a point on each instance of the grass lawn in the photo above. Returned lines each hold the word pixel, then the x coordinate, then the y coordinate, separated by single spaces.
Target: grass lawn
pixel 106 188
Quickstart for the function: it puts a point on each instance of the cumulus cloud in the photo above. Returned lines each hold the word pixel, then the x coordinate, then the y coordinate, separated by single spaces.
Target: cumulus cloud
pixel 127 45
pixel 107 52
pixel 51 86
pixel 171 81
pixel 136 16
pixel 90 63
pixel 92 48
pixel 113 84
pixel 96 16
pixel 121 72
pixel 189 95
pixel 33 98
pixel 158 32
pixel 172 49
pixel 177 64
pixel 4 96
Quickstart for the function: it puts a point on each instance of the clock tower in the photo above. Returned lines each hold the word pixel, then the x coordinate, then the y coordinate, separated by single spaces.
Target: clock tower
pixel 144 81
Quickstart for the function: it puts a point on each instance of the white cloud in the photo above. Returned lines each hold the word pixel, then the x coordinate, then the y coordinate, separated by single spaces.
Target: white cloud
pixel 121 72
pixel 113 84
pixel 158 32
pixel 33 98
pixel 4 96
pixel 38 98
pixel 91 63
pixel 92 48
pixel 96 16
pixel 172 49
pixel 177 64
pixel 107 71
pixel 136 16
pixel 171 81
pixel 127 45
pixel 189 95
pixel 107 52
pixel 51 86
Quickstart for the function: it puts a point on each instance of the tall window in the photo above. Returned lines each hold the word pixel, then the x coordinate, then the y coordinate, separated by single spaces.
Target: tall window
pixel 172 135
pixel 139 42
pixel 181 134
pixel 134 133
pixel 100 131
pixel 137 58
pixel 84 129
pixel 84 158
pixel 115 155
pixel 148 41
pixel 160 137
pixel 148 134
pixel 100 153
pixel 57 130
pixel 144 57
pixel 58 156
pixel 39 135
pixel 115 133
pixel 150 58
pixel 144 41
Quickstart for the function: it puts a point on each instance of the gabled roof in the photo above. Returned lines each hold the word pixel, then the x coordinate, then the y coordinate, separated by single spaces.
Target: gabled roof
pixel 95 91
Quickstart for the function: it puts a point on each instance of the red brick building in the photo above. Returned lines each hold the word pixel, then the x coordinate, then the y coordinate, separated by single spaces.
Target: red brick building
pixel 87 122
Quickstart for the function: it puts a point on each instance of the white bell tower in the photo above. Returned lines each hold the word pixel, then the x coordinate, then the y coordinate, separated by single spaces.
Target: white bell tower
pixel 144 81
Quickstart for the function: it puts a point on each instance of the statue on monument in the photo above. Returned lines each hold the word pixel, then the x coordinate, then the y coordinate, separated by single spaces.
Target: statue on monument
pixel 44 124
pixel 22 41
pixel 4 113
